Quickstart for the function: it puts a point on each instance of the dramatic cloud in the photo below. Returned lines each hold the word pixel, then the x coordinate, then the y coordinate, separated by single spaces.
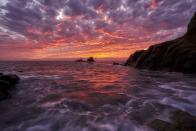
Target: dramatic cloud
pixel 50 29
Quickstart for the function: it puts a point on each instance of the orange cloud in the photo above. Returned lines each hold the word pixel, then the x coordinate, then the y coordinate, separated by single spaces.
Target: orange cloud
pixel 92 47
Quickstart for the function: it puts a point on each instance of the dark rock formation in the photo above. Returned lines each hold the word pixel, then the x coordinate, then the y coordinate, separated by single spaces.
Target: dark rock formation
pixel 90 59
pixel 7 82
pixel 4 87
pixel 80 60
pixel 160 125
pixel 12 79
pixel 115 63
pixel 178 55
pixel 181 121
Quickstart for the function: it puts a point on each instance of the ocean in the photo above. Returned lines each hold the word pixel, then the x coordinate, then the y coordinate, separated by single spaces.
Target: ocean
pixel 74 96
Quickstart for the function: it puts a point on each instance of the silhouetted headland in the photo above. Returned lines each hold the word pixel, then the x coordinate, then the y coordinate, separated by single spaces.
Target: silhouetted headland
pixel 177 55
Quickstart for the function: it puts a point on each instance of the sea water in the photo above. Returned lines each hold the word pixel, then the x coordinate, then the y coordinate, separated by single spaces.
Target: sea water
pixel 73 96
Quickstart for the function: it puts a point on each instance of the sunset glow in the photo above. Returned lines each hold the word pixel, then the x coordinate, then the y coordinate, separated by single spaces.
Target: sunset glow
pixel 60 29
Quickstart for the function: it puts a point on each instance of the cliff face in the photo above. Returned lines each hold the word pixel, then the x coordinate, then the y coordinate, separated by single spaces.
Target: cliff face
pixel 178 55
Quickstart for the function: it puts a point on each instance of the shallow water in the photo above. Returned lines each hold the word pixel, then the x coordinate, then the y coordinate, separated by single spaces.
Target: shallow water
pixel 69 96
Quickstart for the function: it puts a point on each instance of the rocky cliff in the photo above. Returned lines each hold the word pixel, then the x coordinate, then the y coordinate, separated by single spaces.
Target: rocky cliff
pixel 178 55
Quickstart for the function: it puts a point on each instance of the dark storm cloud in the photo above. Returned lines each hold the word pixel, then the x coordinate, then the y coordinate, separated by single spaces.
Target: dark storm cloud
pixel 37 20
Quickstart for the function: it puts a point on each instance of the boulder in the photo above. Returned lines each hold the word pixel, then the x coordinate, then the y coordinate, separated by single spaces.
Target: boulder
pixel 184 121
pixel 7 82
pixel 181 121
pixel 160 125
pixel 12 79
pixel 4 95
pixel 4 87
pixel 178 55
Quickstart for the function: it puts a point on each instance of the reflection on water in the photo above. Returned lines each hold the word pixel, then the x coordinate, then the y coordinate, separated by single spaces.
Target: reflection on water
pixel 68 96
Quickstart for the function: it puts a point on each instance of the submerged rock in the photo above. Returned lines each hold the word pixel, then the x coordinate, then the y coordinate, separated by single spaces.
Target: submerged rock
pixel 7 82
pixel 178 55
pixel 181 121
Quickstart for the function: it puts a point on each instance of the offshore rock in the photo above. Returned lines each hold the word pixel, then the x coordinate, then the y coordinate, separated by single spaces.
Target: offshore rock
pixel 90 59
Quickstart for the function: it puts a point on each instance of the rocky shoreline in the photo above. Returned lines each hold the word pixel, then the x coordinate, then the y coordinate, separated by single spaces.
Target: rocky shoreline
pixel 7 82
pixel 178 55
pixel 180 121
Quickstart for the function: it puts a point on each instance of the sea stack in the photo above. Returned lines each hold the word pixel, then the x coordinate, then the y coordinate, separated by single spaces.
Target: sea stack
pixel 177 55
pixel 90 59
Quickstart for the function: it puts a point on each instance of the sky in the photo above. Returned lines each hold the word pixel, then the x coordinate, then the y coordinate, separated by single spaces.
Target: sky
pixel 62 29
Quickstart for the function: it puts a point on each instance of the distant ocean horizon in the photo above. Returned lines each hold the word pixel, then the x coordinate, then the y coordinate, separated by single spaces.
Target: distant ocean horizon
pixel 69 59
